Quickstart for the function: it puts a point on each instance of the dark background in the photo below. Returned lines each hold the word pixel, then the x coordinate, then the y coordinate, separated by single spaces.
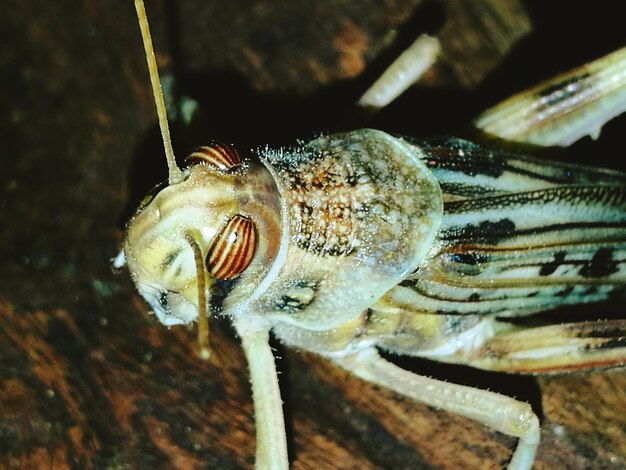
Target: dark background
pixel 89 379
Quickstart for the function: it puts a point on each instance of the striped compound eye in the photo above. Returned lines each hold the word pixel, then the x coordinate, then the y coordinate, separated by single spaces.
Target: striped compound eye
pixel 232 248
pixel 222 157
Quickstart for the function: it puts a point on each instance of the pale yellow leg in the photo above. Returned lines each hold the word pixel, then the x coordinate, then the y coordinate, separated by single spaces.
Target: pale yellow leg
pixel 271 439
pixel 402 73
pixel 501 413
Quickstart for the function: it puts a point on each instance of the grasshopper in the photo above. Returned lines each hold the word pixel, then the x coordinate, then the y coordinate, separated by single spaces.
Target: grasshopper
pixel 363 241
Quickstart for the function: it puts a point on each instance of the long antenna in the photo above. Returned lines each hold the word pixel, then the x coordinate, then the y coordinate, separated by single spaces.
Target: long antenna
pixel 203 320
pixel 175 175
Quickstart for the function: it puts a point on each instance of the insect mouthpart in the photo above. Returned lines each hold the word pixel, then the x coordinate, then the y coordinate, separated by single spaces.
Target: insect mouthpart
pixel 170 307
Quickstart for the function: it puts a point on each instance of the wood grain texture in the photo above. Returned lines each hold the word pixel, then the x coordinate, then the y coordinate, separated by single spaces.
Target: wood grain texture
pixel 88 379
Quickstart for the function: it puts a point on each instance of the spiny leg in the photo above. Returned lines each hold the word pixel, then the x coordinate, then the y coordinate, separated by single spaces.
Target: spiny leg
pixel 502 413
pixel 271 440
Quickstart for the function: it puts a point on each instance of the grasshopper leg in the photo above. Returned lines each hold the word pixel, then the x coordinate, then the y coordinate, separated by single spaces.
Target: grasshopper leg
pixel 402 73
pixel 564 109
pixel 271 440
pixel 499 412
pixel 567 347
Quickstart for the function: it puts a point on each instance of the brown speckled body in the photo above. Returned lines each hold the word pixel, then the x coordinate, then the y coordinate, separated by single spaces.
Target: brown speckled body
pixel 362 211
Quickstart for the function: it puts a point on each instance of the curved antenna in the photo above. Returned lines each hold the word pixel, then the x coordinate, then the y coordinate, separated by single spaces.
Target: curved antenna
pixel 175 175
pixel 203 321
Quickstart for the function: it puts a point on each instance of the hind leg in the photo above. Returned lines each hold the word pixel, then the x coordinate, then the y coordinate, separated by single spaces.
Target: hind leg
pixel 499 412
pixel 549 349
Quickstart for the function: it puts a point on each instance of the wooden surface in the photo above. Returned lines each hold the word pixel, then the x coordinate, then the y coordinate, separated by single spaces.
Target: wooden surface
pixel 88 379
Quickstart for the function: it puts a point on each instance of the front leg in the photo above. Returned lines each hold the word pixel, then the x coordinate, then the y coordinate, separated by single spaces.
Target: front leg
pixel 499 412
pixel 271 440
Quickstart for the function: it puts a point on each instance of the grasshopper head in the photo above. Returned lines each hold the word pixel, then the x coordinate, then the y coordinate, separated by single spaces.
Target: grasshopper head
pixel 229 213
